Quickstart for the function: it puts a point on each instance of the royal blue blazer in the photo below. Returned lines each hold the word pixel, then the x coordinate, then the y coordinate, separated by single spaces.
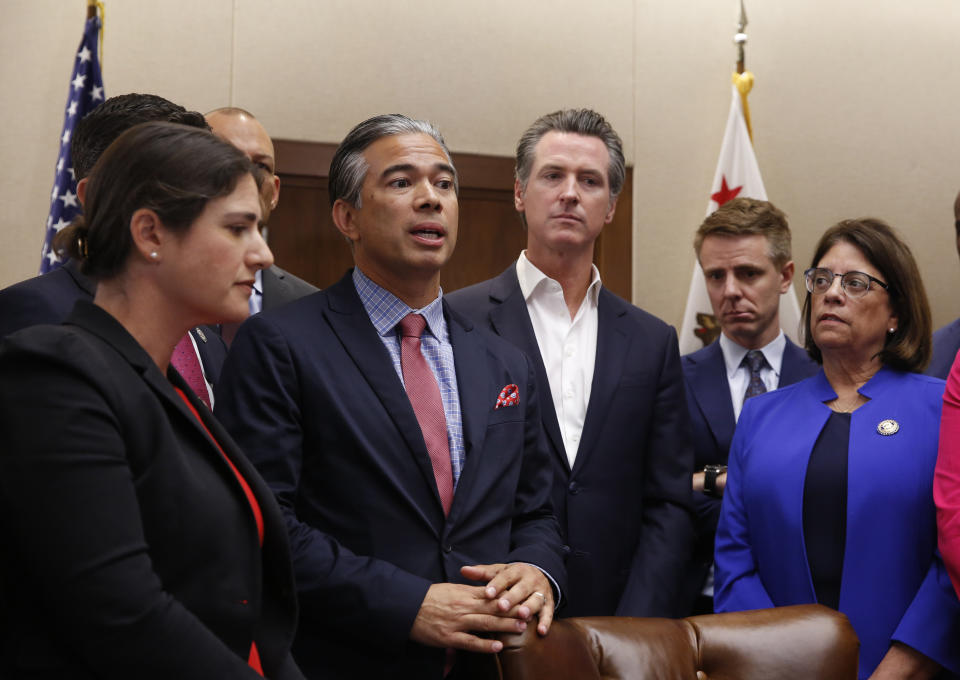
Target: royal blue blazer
pixel 894 585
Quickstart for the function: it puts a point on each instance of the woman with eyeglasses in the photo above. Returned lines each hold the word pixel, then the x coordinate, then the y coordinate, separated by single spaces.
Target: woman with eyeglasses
pixel 829 490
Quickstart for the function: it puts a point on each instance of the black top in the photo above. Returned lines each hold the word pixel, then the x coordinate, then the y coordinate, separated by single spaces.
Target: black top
pixel 825 508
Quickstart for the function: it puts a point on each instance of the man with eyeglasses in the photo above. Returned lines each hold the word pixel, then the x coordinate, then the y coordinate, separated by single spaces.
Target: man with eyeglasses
pixel 946 341
pixel 744 250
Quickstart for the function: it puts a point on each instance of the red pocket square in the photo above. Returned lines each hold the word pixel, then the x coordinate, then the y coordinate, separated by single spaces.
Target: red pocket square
pixel 509 396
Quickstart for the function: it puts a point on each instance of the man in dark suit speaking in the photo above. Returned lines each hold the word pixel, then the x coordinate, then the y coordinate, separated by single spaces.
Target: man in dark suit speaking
pixel 611 393
pixel 402 441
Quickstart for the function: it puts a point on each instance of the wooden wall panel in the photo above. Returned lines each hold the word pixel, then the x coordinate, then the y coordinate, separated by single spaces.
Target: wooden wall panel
pixel 305 242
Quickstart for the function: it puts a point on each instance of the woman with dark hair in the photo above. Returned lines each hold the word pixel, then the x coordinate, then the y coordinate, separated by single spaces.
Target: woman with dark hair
pixel 138 541
pixel 828 495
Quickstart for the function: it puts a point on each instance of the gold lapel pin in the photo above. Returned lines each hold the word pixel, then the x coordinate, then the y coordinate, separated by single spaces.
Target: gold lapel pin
pixel 888 427
pixel 199 331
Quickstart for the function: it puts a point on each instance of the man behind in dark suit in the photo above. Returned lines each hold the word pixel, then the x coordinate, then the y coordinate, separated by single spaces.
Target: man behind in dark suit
pixel 49 299
pixel 611 393
pixel 946 340
pixel 274 286
pixel 394 504
pixel 744 250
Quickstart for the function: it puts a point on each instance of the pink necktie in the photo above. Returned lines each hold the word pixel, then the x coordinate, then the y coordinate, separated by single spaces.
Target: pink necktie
pixel 424 394
pixel 185 360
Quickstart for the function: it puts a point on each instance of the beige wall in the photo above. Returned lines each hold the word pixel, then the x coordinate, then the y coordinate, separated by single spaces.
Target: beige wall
pixel 854 108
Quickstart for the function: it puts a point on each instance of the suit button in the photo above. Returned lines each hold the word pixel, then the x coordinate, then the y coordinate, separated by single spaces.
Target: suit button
pixel 574 488
pixel 447 548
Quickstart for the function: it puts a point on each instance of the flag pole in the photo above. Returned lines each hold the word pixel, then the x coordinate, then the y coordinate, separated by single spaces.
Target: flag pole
pixel 740 39
pixel 743 79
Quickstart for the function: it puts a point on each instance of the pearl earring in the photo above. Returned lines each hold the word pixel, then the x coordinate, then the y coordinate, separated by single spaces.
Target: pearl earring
pixel 893 330
pixel 154 255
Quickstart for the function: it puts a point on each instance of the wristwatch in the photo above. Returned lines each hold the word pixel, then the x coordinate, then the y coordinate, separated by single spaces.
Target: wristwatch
pixel 710 474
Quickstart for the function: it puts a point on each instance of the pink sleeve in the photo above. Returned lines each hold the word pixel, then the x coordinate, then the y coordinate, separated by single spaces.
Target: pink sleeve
pixel 946 481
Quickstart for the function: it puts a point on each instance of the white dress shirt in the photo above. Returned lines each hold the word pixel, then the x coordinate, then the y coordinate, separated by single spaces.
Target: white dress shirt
pixel 568 346
pixel 256 295
pixel 739 376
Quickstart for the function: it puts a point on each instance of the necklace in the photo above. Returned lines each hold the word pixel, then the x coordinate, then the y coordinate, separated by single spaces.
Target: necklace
pixel 858 401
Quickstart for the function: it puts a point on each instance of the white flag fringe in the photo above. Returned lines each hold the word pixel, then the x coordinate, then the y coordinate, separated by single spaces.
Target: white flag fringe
pixel 737 175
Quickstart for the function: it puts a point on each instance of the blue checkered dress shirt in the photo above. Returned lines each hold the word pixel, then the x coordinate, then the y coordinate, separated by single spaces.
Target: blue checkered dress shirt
pixel 385 311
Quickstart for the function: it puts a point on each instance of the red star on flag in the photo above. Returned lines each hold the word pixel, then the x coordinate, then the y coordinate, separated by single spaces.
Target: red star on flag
pixel 726 193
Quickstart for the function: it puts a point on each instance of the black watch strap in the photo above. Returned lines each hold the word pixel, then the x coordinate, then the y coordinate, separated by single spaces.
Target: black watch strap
pixel 710 474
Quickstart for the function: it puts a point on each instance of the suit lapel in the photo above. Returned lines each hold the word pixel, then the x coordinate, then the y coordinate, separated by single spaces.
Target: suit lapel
pixel 711 390
pixel 795 366
pixel 99 322
pixel 477 392
pixel 612 342
pixel 273 286
pixel 511 321
pixel 350 323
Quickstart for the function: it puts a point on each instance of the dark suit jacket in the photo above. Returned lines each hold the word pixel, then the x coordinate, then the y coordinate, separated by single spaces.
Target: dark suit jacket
pixel 946 343
pixel 625 505
pixel 712 424
pixel 43 299
pixel 281 287
pixel 130 549
pixel 49 299
pixel 311 395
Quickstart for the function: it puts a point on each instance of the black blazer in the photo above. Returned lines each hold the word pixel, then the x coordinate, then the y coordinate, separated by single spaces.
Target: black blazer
pixel 130 548
pixel 281 287
pixel 625 505
pixel 50 298
pixel 310 392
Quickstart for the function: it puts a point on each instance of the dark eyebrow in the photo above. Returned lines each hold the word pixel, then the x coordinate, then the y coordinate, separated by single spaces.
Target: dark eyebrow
pixel 409 167
pixel 245 216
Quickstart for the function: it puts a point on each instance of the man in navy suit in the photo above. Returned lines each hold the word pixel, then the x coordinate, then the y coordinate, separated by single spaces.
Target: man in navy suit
pixel 273 286
pixel 611 392
pixel 946 340
pixel 402 441
pixel 49 299
pixel 744 250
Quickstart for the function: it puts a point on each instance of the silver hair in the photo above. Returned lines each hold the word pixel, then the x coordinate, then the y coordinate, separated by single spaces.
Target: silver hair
pixel 349 167
pixel 584 122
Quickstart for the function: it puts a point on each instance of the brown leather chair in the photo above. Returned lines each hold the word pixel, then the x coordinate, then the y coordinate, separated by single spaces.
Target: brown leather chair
pixel 806 642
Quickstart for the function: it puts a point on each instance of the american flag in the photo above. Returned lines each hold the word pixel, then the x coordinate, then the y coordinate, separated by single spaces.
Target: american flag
pixel 86 93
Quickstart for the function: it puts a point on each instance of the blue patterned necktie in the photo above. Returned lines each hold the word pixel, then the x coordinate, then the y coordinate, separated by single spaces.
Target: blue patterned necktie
pixel 754 361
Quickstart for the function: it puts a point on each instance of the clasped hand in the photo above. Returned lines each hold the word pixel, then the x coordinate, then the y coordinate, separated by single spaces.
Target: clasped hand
pixel 514 594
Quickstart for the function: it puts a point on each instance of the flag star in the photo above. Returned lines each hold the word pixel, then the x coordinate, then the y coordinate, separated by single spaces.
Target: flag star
pixel 69 198
pixel 78 81
pixel 73 175
pixel 96 93
pixel 66 136
pixel 72 109
pixel 61 223
pixel 725 193
pixel 84 54
pixel 53 194
pixel 60 164
pixel 52 256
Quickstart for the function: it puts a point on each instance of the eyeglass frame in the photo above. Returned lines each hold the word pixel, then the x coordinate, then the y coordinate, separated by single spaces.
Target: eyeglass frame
pixel 807 274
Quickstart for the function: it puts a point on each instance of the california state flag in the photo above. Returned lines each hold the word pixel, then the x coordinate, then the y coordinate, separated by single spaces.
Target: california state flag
pixel 737 175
